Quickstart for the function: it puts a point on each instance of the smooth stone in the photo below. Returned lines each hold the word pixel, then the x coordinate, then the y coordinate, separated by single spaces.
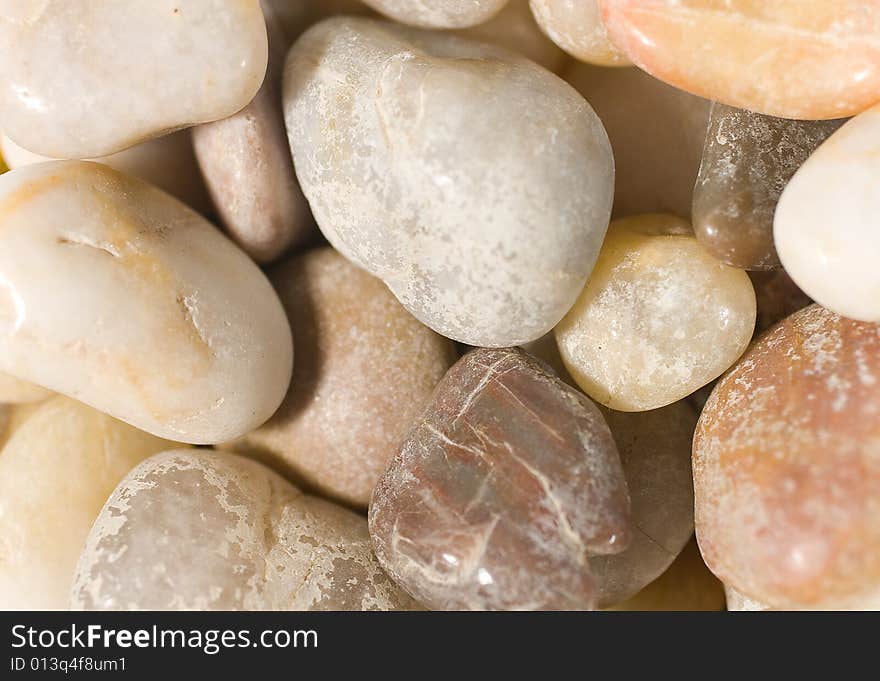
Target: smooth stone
pixel 827 226
pixel 576 26
pixel 811 59
pixel 484 224
pixel 168 162
pixel 438 13
pixel 655 450
pixel 656 132
pixel 365 370
pixel 256 541
pixel 739 602
pixel 118 295
pixel 787 466
pixel 246 162
pixel 658 319
pixel 748 159
pixel 12 416
pixel 687 585
pixel 56 472
pixel 16 391
pixel 515 28
pixel 78 79
pixel 504 487
pixel 777 297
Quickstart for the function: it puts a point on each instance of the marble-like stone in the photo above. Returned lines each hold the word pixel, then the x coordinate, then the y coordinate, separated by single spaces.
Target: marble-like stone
pixel 827 226
pixel 202 530
pixel 78 79
pixel 247 166
pixel 515 28
pixel 655 450
pixel 777 297
pixel 167 162
pixel 809 59
pixel 421 165
pixel 505 486
pixel 787 466
pixel 365 369
pixel 656 132
pixel 686 585
pixel 56 472
pixel 577 27
pixel 658 319
pixel 118 295
pixel 438 13
pixel 748 159
pixel 16 391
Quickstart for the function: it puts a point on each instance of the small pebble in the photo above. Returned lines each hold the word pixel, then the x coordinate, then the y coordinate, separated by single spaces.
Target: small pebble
pixel 438 13
pixel 576 26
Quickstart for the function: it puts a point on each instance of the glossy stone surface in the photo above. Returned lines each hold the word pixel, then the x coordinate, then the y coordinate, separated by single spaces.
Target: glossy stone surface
pixel 515 28
pixel 577 27
pixel 504 486
pixel 827 226
pixel 438 13
pixel 56 472
pixel 787 466
pixel 167 162
pixel 116 294
pixel 247 165
pixel 686 585
pixel 255 541
pixel 658 319
pixel 805 59
pixel 655 450
pixel 777 297
pixel 441 183
pixel 365 369
pixel 78 78
pixel 748 159
pixel 657 144
pixel 16 391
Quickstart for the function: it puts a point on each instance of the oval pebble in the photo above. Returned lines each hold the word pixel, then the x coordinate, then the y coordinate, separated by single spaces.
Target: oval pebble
pixel 484 224
pixel 365 369
pixel 577 27
pixel 658 319
pixel 787 466
pixel 78 79
pixel 805 59
pixel 258 544
pixel 116 294
pixel 56 472
pixel 438 13
pixel 503 488
pixel 827 225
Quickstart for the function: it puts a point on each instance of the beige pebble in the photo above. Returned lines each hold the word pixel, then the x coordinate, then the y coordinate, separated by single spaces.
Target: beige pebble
pixel 365 368
pixel 12 416
pixel 116 294
pixel 56 472
pixel 576 26
pixel 438 13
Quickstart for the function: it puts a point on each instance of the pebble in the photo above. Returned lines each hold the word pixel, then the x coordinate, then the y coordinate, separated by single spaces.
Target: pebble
pixel 739 602
pixel 577 27
pixel 79 79
pixel 787 466
pixel 167 162
pixel 827 226
pixel 257 541
pixel 116 294
pixel 438 13
pixel 16 391
pixel 655 450
pixel 748 159
pixel 503 488
pixel 482 216
pixel 658 319
pixel 56 471
pixel 657 144
pixel 365 369
pixel 246 162
pixel 810 59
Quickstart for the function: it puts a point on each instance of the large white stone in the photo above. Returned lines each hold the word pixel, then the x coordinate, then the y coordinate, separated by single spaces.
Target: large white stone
pixel 115 293
pixel 476 184
pixel 87 78
pixel 827 223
